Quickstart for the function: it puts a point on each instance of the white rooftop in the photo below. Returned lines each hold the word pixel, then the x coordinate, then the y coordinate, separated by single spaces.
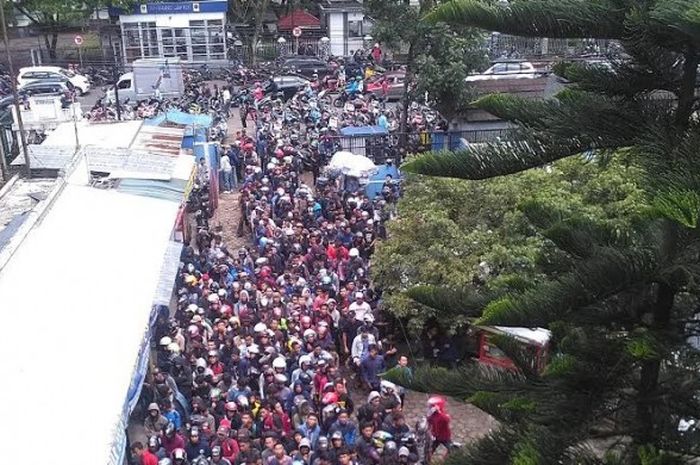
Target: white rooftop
pixel 78 292
pixel 539 336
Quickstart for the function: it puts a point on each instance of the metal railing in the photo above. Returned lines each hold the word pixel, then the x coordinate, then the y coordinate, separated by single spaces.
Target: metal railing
pixel 381 147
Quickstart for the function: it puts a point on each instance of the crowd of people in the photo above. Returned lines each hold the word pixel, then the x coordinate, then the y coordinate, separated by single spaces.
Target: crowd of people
pixel 275 352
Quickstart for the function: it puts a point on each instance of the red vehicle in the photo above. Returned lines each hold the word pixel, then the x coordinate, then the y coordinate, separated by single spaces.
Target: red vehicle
pixel 535 341
pixel 395 82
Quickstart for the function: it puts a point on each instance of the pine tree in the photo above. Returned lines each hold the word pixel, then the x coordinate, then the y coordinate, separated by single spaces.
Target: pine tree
pixel 621 305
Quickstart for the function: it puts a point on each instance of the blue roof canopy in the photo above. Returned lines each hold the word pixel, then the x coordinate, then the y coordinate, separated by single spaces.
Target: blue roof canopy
pixel 361 131
pixel 182 118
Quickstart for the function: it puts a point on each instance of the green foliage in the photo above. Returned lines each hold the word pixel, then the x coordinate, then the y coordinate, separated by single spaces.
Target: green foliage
pixel 441 56
pixel 526 454
pixel 446 229
pixel 619 292
pixel 49 17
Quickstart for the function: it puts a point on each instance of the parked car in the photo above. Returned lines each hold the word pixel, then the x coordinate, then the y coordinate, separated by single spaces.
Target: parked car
pixel 58 87
pixel 395 79
pixel 52 73
pixel 506 70
pixel 307 66
pixel 288 84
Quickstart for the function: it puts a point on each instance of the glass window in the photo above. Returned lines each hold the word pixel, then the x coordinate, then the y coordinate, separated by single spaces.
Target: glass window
pixel 125 84
pixel 168 42
pixel 198 38
pixel 132 41
pixel 180 42
pixel 354 28
pixel 215 30
pixel 149 35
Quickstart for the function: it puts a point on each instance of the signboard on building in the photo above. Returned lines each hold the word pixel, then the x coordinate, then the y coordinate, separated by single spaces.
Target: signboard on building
pixel 166 8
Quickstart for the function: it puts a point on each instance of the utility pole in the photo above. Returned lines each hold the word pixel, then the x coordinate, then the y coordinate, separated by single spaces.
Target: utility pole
pixel 115 75
pixel 13 84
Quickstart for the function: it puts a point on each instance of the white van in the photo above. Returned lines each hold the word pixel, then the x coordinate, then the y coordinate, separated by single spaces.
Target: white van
pixel 53 73
pixel 154 77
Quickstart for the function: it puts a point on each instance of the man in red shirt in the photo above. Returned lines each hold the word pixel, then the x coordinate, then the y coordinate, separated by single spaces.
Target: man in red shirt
pixel 144 456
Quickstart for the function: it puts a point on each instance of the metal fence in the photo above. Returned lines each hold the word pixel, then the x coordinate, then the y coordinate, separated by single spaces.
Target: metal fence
pixel 379 148
pixel 507 46
pixel 270 50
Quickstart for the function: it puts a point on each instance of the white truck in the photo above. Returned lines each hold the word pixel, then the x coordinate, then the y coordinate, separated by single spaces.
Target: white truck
pixel 151 77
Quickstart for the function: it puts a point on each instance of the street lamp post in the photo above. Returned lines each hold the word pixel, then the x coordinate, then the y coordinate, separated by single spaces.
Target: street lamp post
pixel 282 43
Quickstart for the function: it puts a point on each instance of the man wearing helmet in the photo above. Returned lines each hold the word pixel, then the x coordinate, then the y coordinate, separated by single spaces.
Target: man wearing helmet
pixel 439 422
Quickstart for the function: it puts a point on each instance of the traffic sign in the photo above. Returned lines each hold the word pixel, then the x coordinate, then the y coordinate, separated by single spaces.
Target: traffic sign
pixel 296 32
pixel 78 40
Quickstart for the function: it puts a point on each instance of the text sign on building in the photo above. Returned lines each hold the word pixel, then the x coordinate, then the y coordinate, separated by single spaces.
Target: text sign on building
pixel 160 8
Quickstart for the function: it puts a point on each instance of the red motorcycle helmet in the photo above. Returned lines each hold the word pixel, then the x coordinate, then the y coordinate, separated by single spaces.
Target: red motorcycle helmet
pixel 329 398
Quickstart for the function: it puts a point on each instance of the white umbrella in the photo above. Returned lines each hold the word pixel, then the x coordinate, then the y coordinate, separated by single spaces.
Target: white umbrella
pixel 351 164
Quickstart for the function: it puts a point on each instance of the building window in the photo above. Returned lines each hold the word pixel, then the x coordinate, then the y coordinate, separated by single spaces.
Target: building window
pixel 132 41
pixel 354 29
pixel 181 43
pixel 168 43
pixel 217 38
pixel 149 36
pixel 198 38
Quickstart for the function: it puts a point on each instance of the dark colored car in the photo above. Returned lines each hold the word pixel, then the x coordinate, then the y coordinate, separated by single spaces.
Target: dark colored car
pixel 307 66
pixel 62 87
pixel 288 84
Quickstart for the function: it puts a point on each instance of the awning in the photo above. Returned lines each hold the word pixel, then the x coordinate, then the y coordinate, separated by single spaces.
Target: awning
pixel 362 131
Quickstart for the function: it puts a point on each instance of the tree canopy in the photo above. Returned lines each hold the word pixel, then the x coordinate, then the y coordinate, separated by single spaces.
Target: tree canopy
pixel 438 57
pixel 622 305
pixel 476 234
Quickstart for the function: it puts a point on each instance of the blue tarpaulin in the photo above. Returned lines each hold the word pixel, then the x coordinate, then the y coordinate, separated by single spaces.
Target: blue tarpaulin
pixel 363 131
pixel 182 118
pixel 448 141
pixel 374 186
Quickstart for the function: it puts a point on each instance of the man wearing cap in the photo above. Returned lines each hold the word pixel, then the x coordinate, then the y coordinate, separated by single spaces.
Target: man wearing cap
pixel 154 422
pixel 228 447
pixel 405 456
pixel 360 307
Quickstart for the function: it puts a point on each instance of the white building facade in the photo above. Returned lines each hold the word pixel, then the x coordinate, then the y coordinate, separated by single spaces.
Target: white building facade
pixel 191 31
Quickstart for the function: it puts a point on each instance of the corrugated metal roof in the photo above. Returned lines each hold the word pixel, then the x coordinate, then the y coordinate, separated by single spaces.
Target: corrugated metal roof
pixel 159 140
pixel 166 190
pixel 46 156
pixel 101 159
pixel 168 273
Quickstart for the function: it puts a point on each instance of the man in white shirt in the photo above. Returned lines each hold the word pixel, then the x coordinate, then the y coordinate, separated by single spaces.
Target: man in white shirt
pixel 226 172
pixel 360 307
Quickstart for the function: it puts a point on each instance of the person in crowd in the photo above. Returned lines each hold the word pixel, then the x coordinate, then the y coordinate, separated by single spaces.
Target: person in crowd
pixel 270 341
